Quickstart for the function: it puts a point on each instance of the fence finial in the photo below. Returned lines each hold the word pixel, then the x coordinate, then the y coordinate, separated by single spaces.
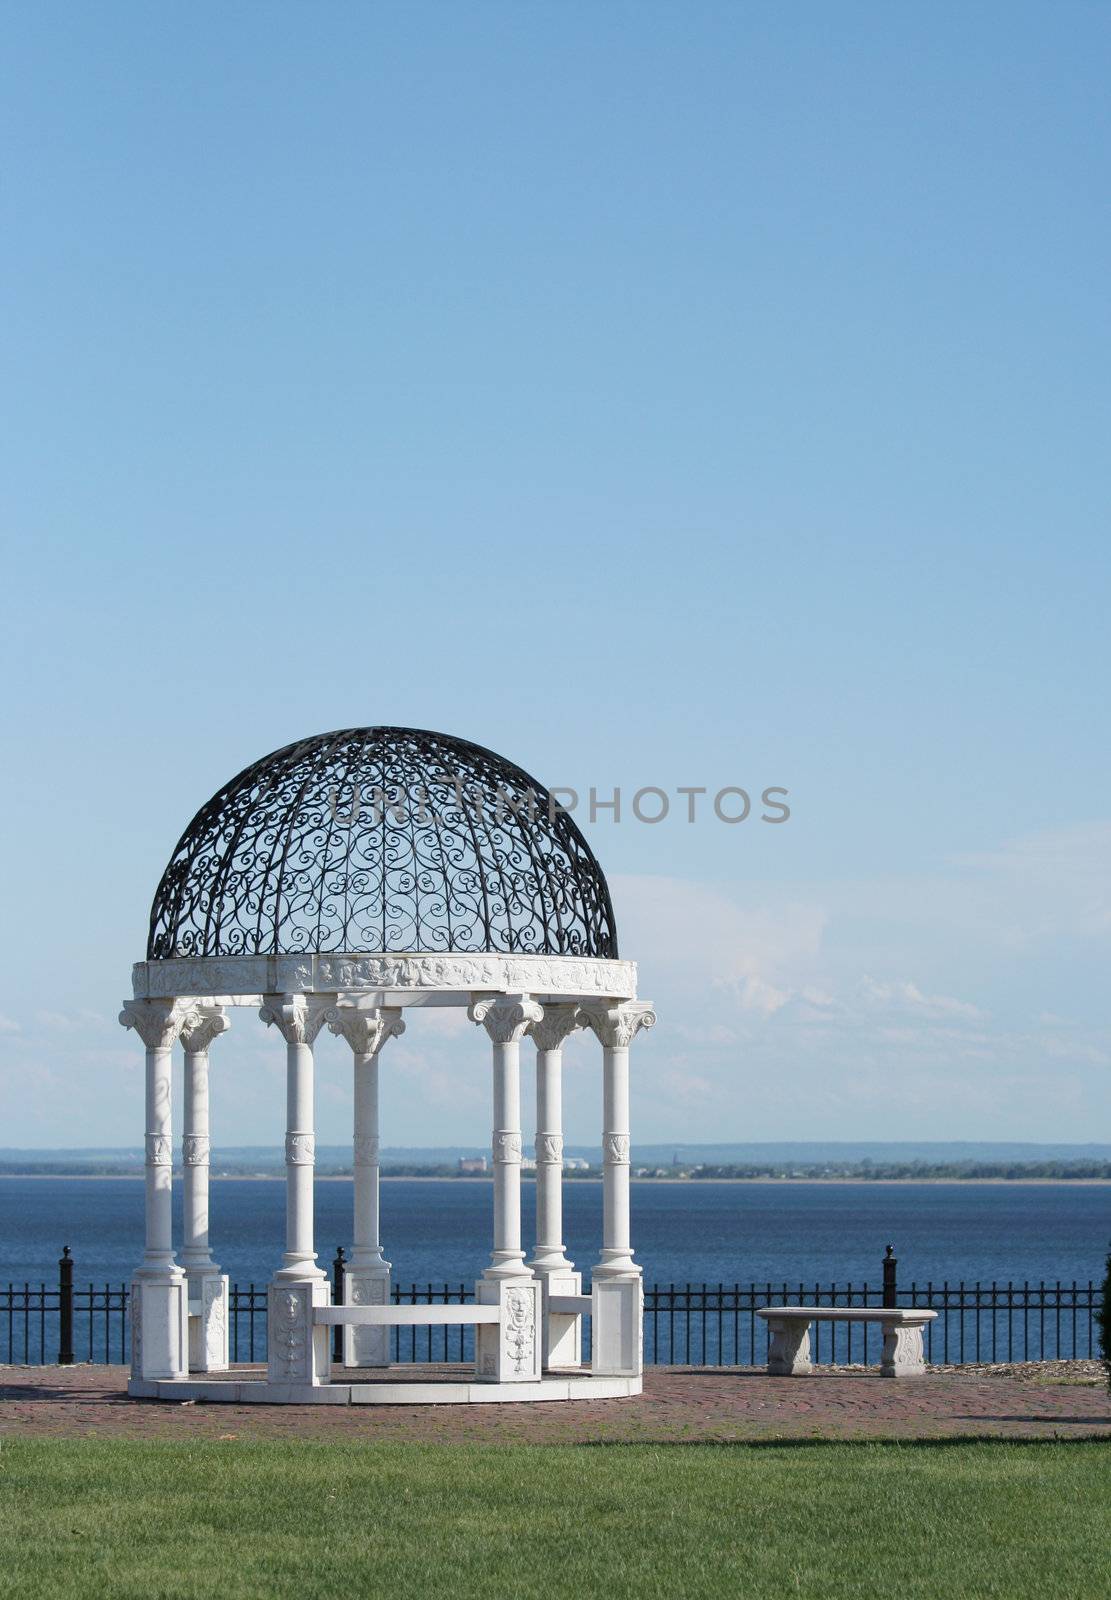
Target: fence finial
pixel 890 1286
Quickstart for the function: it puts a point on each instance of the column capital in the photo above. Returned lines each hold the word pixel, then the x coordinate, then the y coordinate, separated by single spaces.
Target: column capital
pixel 505 1017
pixel 157 1022
pixel 297 1017
pixel 366 1030
pixel 202 1026
pixel 616 1024
pixel 556 1025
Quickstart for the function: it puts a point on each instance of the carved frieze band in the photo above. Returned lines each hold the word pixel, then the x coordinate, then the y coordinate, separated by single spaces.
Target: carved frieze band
pixel 507 1147
pixel 615 1147
pixel 549 1149
pixel 300 1149
pixel 367 1150
pixel 159 1150
pixel 331 974
pixel 195 1149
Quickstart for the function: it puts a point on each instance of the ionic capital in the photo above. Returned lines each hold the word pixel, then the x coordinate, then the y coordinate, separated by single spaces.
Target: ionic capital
pixel 615 1026
pixel 158 1022
pixel 556 1025
pixel 505 1018
pixel 202 1026
pixel 366 1031
pixel 297 1018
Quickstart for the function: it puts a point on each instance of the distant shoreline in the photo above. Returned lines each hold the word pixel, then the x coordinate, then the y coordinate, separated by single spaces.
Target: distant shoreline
pixel 487 1178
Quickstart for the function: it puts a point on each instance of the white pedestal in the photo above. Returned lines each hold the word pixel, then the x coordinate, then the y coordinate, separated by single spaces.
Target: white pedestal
pixel 788 1348
pixel 362 1346
pixel 561 1331
pixel 509 1351
pixel 297 1351
pixel 159 1325
pixel 209 1319
pixel 903 1354
pixel 617 1330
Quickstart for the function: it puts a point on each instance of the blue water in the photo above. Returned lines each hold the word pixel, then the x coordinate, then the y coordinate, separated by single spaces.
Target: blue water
pixel 682 1232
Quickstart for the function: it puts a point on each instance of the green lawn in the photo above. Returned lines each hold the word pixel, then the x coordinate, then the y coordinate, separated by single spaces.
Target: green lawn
pixel 234 1519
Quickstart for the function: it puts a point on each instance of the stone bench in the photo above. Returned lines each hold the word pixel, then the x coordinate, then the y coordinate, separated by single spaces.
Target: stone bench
pixel 789 1326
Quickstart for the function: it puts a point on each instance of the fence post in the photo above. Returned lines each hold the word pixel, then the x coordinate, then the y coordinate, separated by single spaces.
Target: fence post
pixel 337 1300
pixel 890 1291
pixel 65 1308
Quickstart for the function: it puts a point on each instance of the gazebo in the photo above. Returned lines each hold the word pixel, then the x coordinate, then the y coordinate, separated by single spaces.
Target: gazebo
pixel 346 881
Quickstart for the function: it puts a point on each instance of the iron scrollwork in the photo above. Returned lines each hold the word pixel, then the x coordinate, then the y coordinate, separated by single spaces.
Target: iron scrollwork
pixel 382 839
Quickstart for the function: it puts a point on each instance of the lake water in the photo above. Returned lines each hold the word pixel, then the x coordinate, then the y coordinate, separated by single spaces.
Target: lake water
pixel 682 1232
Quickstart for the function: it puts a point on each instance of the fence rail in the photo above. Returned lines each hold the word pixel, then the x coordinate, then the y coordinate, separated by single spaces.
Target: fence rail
pixel 703 1325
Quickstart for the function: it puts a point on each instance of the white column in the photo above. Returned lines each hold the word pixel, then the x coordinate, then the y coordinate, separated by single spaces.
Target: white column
pixel 617 1294
pixel 366 1280
pixel 562 1332
pixel 207 1285
pixel 548 1036
pixel 159 1329
pixel 509 1351
pixel 505 1019
pixel 298 1020
pixel 298 1351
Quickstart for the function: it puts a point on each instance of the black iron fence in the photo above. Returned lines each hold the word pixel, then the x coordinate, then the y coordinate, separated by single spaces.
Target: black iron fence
pixel 699 1324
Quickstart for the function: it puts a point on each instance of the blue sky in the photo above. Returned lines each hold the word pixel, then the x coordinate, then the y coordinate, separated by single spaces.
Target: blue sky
pixel 660 394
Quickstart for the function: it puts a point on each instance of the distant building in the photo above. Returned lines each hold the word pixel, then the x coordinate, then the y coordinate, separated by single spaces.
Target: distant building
pixel 575 1164
pixel 469 1165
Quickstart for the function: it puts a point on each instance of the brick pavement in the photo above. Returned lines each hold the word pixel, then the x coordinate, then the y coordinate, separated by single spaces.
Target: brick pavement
pixel 679 1406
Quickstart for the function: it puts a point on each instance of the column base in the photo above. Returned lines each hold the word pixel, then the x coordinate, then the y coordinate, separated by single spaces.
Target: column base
pixel 366 1286
pixel 509 1351
pixel 561 1332
pixel 617 1327
pixel 159 1323
pixel 616 1264
pixel 506 1267
pixel 297 1350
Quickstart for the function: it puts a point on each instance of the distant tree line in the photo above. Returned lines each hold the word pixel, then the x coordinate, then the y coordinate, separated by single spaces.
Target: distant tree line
pixel 858 1171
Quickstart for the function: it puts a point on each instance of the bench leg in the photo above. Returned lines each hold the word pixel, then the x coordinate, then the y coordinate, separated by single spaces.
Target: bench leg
pixel 789 1350
pixel 903 1355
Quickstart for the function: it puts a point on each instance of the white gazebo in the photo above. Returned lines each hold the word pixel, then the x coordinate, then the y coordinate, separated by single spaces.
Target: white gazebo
pixel 344 881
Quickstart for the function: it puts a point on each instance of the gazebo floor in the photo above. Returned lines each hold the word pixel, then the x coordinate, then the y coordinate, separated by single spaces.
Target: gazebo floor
pixel 437 1384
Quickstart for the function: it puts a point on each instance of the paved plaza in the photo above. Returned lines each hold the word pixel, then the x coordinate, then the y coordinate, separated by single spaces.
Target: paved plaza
pixel 679 1406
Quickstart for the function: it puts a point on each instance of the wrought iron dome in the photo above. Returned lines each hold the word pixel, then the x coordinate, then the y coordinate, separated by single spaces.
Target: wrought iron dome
pixel 382 839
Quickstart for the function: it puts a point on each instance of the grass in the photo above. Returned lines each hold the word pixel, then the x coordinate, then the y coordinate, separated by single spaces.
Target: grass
pixel 231 1519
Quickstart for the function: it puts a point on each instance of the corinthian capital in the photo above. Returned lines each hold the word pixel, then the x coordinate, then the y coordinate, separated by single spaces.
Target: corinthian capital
pixel 616 1025
pixel 557 1024
pixel 157 1022
pixel 202 1026
pixel 366 1031
pixel 296 1018
pixel 505 1019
